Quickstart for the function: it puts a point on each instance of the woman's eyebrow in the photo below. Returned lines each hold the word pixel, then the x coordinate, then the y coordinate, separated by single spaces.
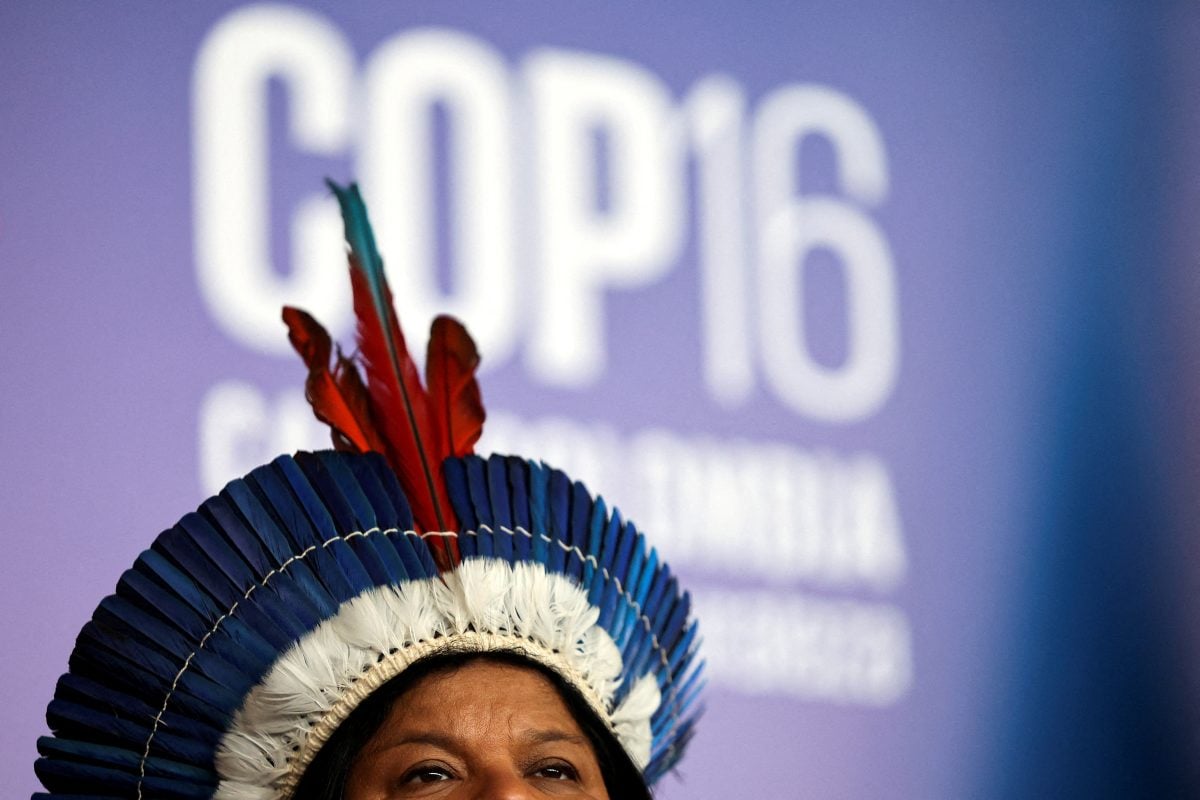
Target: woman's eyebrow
pixel 420 737
pixel 549 735
pixel 538 736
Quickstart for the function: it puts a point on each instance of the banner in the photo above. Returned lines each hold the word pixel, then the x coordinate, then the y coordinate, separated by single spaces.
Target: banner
pixel 872 318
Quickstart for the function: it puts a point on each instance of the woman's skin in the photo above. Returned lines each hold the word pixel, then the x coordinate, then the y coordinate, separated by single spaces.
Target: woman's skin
pixel 484 731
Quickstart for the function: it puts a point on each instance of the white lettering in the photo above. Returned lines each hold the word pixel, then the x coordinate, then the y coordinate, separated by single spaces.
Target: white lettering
pixel 405 79
pixel 840 651
pixel 583 249
pixel 765 511
pixel 241 55
pixel 595 192
pixel 791 226
pixel 714 110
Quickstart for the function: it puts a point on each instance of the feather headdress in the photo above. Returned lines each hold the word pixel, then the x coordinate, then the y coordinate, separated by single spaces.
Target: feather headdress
pixel 236 644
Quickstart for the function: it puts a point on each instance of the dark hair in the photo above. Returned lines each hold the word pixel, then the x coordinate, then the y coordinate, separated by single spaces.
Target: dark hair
pixel 325 778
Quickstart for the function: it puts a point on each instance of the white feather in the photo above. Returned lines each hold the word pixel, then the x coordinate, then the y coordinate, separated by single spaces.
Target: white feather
pixel 631 719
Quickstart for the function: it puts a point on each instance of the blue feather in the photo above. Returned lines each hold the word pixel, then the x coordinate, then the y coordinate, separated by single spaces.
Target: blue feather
pixel 671 632
pixel 68 776
pixel 260 617
pixel 500 501
pixel 107 699
pixel 640 642
pixel 275 487
pixel 521 518
pixel 602 593
pixel 459 490
pixel 76 720
pixel 93 666
pixel 596 525
pixel 690 691
pixel 159 568
pixel 664 585
pixel 247 541
pixel 682 705
pixel 271 488
pixel 99 649
pixel 413 553
pixel 102 655
pixel 120 758
pixel 340 495
pixel 539 511
pixel 130 626
pixel 382 488
pixel 619 571
pixel 416 555
pixel 498 494
pixel 369 499
pixel 666 758
pixel 681 651
pixel 242 541
pixel 272 622
pixel 181 552
pixel 646 579
pixel 559 507
pixel 319 515
pixel 352 511
pixel 641 656
pixel 455 473
pixel 477 484
pixel 236 642
pixel 632 575
pixel 71 720
pixel 241 498
pixel 302 593
pixel 143 591
pixel 196 551
pixel 196 690
pixel 348 508
pixel 207 725
pixel 239 573
pixel 579 530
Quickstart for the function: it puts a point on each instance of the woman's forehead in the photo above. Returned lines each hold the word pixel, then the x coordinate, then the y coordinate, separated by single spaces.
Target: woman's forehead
pixel 482 697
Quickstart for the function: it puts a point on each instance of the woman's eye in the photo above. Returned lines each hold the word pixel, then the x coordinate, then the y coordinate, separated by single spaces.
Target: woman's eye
pixel 427 775
pixel 558 772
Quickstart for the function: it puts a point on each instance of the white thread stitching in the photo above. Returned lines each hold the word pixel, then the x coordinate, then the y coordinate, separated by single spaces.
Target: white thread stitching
pixel 608 577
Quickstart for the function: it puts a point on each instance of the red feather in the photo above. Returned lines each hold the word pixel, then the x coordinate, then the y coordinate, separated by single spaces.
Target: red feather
pixel 454 397
pixel 392 413
pixel 332 396
pixel 399 403
pixel 354 391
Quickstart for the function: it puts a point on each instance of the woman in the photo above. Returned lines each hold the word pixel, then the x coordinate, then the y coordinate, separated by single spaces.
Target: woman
pixel 398 618
pixel 514 732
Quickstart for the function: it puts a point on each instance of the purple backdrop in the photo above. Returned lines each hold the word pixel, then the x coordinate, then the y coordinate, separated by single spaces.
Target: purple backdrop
pixel 854 311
